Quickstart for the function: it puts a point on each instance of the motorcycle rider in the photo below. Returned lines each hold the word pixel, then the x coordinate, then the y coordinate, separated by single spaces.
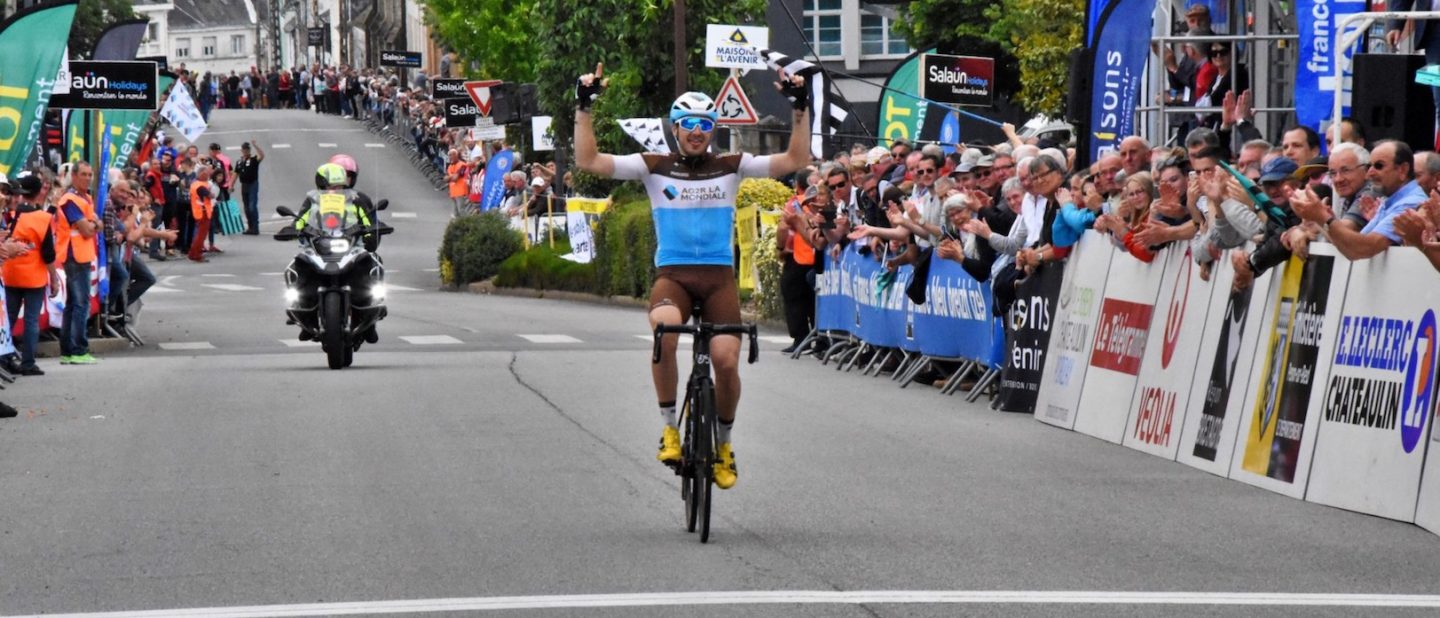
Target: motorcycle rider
pixel 352 173
pixel 331 178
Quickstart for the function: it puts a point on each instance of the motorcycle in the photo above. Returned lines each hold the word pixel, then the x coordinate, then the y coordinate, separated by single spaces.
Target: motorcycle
pixel 335 288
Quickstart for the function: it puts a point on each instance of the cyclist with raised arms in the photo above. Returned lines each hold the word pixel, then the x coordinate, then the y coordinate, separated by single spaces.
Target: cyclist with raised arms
pixel 692 201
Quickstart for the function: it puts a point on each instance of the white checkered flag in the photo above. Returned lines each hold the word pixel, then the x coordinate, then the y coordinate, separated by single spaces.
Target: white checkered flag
pixel 648 131
pixel 825 117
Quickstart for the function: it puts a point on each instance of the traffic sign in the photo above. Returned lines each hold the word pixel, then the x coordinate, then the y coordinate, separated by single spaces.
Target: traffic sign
pixel 479 92
pixel 733 106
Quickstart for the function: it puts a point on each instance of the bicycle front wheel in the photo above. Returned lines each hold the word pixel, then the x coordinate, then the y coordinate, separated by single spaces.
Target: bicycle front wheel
pixel 704 455
pixel 689 483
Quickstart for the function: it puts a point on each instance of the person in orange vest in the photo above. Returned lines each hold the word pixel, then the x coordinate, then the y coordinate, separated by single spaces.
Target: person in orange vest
pixel 202 207
pixel 797 282
pixel 29 267
pixel 75 229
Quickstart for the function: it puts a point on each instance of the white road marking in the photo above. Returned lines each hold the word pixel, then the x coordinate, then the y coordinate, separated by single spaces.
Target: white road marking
pixel 160 289
pixel 187 345
pixel 683 338
pixel 374 145
pixel 216 275
pixel 791 597
pixel 258 131
pixel 271 274
pixel 232 287
pixel 326 145
pixel 296 343
pixel 432 270
pixel 232 147
pixel 278 216
pixel 776 339
pixel 549 338
pixel 400 288
pixel 402 215
pixel 279 146
pixel 431 340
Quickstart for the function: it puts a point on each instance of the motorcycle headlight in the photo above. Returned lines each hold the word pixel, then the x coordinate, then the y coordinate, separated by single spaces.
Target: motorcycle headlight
pixel 339 245
pixel 292 296
pixel 378 291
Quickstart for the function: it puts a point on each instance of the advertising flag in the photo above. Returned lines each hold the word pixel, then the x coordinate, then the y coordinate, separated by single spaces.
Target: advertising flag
pixel 1118 33
pixel 32 53
pixel 180 110
pixel 495 172
pixel 120 41
pixel 901 112
pixel 126 127
pixel 1315 80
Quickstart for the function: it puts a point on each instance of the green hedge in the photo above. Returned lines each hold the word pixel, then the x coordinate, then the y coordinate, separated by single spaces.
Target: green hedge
pixel 542 268
pixel 474 246
pixel 625 251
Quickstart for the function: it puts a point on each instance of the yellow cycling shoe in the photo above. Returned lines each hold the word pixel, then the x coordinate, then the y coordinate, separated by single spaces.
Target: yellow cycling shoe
pixel 725 475
pixel 669 446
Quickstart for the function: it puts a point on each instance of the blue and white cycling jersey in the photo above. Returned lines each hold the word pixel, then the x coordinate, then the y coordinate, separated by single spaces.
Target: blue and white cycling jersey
pixel 693 206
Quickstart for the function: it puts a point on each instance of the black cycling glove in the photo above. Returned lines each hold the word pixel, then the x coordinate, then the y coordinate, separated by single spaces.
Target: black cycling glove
pixel 799 95
pixel 585 95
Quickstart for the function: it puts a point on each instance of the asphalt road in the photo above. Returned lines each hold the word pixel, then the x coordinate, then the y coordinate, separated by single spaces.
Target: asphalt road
pixel 501 447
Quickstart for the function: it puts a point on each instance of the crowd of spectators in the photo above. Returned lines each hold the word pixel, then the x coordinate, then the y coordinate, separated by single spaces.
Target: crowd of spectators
pixel 1002 210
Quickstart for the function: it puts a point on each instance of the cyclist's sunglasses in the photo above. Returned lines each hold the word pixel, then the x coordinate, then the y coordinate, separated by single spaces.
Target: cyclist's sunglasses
pixel 696 123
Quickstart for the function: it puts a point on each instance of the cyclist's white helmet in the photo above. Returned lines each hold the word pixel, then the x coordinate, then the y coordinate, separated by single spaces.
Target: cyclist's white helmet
pixel 693 104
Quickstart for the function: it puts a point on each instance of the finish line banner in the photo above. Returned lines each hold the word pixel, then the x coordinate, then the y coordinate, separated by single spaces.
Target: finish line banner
pixel 854 295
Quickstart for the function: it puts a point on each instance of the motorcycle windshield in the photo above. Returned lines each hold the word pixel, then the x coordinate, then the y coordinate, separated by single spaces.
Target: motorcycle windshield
pixel 334 216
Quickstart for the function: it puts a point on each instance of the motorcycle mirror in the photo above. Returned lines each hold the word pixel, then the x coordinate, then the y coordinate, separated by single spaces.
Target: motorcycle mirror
pixel 382 205
pixel 285 211
pixel 385 229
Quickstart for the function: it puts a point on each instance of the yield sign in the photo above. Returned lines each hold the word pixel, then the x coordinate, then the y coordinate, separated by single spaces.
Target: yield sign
pixel 479 92
pixel 733 106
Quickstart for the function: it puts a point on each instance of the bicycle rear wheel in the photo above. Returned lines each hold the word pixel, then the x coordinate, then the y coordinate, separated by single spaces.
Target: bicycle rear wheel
pixel 704 455
pixel 688 483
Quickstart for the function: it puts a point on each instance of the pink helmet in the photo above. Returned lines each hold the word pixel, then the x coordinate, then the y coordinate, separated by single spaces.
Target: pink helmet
pixel 352 171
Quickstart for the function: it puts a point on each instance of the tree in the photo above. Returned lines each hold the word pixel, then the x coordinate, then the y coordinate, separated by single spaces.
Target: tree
pixel 91 19
pixel 960 27
pixel 1041 34
pixel 495 39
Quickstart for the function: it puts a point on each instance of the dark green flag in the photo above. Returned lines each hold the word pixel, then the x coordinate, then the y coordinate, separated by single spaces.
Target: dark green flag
pixel 127 126
pixel 32 43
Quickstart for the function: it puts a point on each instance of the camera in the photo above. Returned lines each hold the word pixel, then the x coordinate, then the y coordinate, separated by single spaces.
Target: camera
pixel 829 214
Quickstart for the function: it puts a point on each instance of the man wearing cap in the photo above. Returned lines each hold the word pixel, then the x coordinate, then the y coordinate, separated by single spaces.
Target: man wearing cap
pixel 29 268
pixel 247 171
pixel 1277 180
pixel 1392 166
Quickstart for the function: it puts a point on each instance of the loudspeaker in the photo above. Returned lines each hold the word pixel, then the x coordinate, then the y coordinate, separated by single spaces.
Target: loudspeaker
pixel 512 103
pixel 1388 103
pixel 1077 100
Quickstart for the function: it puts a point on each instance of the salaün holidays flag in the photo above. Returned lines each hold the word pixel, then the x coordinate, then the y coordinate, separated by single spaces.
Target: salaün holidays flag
pixel 825 117
pixel 32 43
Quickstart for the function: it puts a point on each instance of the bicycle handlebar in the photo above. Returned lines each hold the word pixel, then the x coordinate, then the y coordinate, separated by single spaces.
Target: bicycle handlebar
pixel 707 330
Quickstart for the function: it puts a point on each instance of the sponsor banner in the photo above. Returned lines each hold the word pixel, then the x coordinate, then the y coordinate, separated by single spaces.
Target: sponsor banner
pixel 901 114
pixel 316 36
pixel 733 47
pixel 1223 369
pixel 541 134
pixel 954 299
pixel 1118 34
pixel 460 112
pixel 1028 339
pixel 1297 340
pixel 32 49
pixel 1163 391
pixel 1075 317
pixel 111 85
pixel 1376 404
pixel 127 127
pixel 834 300
pixel 1121 333
pixel 1315 81
pixel 395 58
pixel 441 88
pixel 582 215
pixel 747 226
pixel 958 80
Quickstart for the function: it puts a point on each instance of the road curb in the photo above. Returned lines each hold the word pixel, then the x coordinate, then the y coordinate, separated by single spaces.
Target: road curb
pixel 51 349
pixel 489 287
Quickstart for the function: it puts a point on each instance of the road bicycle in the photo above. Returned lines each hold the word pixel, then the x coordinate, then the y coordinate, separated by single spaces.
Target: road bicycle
pixel 698 417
